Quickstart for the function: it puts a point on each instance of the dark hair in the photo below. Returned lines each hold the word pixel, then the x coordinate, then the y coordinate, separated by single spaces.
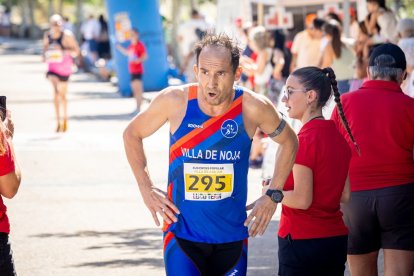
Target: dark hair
pixel 194 12
pixel 103 23
pixel 333 30
pixel 219 40
pixel 318 23
pixel 323 82
pixel 363 28
pixel 380 3
pixel 135 30
pixel 335 17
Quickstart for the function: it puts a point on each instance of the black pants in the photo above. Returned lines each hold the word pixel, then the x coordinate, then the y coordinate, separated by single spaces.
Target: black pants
pixel 312 257
pixel 6 258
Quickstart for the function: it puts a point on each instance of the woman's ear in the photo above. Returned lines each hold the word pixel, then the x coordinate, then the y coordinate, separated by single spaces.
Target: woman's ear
pixel 312 96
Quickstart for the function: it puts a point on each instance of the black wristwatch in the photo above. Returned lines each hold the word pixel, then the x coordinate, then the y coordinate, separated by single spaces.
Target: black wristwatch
pixel 275 195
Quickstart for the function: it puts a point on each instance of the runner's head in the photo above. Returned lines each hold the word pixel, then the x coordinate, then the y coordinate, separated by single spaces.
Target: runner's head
pixel 217 67
pixel 219 41
pixel 56 21
pixel 134 35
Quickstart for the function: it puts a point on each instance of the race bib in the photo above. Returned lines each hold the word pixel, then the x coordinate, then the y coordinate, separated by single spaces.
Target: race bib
pixel 208 182
pixel 54 56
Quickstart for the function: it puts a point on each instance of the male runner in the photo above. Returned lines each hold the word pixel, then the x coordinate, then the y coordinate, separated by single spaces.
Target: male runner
pixel 211 127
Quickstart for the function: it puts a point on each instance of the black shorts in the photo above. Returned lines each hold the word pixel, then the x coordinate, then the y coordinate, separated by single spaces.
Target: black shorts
pixel 136 77
pixel 6 258
pixel 60 77
pixel 215 259
pixel 312 257
pixel 382 218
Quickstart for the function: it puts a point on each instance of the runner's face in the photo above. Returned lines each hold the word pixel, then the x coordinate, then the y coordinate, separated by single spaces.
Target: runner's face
pixel 215 75
pixel 55 26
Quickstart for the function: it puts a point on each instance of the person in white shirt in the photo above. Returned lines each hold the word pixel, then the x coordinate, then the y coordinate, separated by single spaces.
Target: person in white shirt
pixel 405 30
pixel 90 32
pixel 307 43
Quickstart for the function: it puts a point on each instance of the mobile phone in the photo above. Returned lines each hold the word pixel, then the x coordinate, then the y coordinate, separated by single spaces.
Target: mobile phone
pixel 3 107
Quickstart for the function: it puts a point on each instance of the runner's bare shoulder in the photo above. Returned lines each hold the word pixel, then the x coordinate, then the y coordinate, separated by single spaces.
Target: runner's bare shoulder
pixel 171 100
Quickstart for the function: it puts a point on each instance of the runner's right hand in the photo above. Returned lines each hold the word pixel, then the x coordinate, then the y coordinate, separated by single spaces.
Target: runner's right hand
pixel 157 201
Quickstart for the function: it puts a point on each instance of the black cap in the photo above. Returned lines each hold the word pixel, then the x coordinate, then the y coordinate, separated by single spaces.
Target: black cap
pixel 391 50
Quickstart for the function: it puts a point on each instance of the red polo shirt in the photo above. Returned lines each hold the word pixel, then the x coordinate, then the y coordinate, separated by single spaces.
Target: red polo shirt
pixel 6 167
pixel 135 51
pixel 381 118
pixel 322 149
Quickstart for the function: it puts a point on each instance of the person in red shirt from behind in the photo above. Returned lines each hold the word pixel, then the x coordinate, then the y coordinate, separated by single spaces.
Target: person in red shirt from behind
pixel 9 184
pixel 380 213
pixel 136 54
pixel 312 235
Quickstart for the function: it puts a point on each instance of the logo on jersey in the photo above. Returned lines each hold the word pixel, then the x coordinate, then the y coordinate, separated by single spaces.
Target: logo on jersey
pixel 194 126
pixel 229 128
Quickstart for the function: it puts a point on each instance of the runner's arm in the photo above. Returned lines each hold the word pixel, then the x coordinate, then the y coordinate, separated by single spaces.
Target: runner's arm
pixel 73 46
pixel 142 126
pixel 268 122
pixel 123 50
pixel 45 46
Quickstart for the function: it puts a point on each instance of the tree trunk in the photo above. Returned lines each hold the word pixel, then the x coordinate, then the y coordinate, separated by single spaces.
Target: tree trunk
pixel 79 18
pixel 60 7
pixel 50 8
pixel 193 5
pixel 32 23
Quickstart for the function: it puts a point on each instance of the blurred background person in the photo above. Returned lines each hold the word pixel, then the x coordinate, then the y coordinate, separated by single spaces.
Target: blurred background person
pixel 136 54
pixel 405 30
pixel 67 25
pixel 5 22
pixel 381 22
pixel 337 55
pixel 103 47
pixel 90 32
pixel 189 33
pixel 262 67
pixel 10 178
pixel 280 61
pixel 307 44
pixel 59 47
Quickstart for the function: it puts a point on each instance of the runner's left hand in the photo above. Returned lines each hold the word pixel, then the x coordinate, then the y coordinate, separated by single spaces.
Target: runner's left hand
pixel 259 218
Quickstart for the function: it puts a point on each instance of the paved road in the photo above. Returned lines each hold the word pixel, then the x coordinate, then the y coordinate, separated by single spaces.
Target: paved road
pixel 78 211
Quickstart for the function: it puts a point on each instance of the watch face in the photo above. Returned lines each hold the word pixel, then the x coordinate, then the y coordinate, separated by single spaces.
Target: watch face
pixel 277 196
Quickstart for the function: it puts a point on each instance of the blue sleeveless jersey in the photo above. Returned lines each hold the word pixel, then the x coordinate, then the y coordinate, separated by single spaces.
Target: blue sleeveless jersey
pixel 207 179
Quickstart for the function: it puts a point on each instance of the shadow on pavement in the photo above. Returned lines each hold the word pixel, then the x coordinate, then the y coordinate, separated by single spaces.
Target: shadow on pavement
pixel 146 244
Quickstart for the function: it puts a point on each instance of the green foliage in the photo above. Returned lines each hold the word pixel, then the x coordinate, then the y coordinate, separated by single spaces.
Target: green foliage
pixel 409 8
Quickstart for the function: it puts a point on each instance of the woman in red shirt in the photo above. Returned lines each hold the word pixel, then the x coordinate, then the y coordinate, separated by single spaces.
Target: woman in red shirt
pixel 312 234
pixel 9 184
pixel 136 54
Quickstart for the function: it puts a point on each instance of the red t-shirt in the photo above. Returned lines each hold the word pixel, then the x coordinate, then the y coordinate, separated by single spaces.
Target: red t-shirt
pixel 135 51
pixel 381 118
pixel 322 149
pixel 6 167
